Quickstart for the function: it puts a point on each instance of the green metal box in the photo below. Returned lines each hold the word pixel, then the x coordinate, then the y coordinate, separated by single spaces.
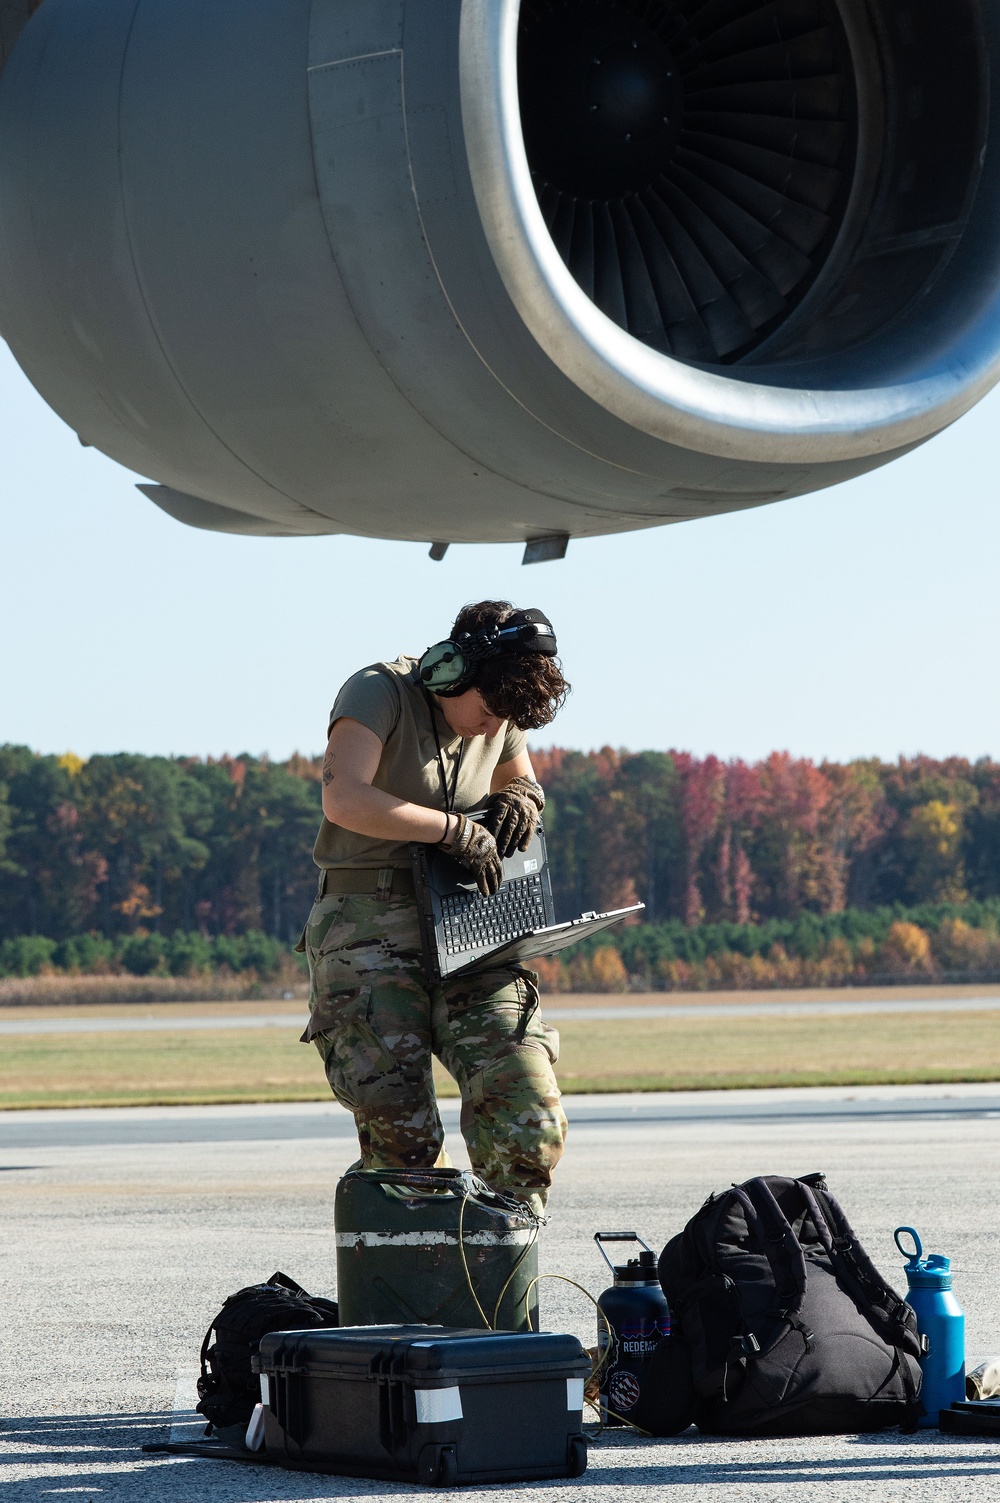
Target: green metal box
pixel 434 1247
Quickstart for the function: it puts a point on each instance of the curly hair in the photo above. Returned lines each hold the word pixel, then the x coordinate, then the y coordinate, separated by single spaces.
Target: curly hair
pixel 525 688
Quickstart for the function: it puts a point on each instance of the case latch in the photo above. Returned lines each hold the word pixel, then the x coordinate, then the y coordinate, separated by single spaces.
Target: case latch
pixel 393 1419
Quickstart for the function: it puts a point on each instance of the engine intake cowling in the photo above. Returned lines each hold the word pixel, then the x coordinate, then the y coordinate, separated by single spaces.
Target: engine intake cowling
pixel 487 270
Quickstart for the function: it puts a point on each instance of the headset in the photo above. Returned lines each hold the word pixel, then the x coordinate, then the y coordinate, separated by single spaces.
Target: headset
pixel 449 668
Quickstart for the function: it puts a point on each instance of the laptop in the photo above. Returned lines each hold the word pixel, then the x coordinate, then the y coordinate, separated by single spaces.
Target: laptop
pixel 461 930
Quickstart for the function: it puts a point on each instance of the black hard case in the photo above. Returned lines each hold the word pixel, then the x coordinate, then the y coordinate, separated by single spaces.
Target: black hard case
pixel 970 1417
pixel 425 1403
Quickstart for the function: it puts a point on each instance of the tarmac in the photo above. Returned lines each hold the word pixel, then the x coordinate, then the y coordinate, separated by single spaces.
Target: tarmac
pixel 837 1006
pixel 124 1230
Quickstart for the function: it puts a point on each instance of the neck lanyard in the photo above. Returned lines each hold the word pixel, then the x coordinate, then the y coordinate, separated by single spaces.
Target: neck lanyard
pixel 449 797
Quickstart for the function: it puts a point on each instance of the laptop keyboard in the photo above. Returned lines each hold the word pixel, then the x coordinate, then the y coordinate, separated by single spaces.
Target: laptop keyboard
pixel 472 922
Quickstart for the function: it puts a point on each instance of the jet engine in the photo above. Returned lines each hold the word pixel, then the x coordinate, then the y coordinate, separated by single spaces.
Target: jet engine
pixel 497 270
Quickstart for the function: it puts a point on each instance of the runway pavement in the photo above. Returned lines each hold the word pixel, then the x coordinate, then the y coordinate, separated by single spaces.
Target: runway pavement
pixel 836 1007
pixel 123 1230
pixel 288 1121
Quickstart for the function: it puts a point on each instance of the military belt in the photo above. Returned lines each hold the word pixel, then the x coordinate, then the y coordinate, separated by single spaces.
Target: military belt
pixel 382 883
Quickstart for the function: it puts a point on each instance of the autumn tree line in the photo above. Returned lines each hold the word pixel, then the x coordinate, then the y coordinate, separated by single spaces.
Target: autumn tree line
pixel 775 872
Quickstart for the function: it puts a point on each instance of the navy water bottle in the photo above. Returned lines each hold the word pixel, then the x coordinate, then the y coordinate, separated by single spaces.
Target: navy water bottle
pixel 638 1315
pixel 940 1319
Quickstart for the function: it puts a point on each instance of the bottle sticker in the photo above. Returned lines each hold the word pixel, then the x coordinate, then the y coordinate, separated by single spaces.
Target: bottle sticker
pixel 623 1392
pixel 640 1338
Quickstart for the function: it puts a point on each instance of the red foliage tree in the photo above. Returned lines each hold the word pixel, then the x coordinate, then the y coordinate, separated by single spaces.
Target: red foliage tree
pixel 702 799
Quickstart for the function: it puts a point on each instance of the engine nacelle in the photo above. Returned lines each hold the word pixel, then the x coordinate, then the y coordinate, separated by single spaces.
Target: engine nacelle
pixel 490 270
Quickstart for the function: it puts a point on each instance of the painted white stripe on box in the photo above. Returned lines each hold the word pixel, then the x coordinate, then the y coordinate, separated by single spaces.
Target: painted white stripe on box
pixel 434 1239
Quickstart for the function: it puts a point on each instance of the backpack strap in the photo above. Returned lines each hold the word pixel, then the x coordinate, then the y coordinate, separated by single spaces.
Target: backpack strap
pixel 281 1280
pixel 778 1242
pixel 205 1380
pixel 776 1239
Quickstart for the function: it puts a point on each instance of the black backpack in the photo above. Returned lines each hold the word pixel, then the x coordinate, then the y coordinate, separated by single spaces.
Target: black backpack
pixel 781 1323
pixel 228 1387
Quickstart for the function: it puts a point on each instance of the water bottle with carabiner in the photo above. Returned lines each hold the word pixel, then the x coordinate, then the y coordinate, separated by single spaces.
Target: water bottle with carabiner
pixel 940 1320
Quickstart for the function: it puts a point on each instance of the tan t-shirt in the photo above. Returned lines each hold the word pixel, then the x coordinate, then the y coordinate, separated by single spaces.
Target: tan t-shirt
pixel 388 698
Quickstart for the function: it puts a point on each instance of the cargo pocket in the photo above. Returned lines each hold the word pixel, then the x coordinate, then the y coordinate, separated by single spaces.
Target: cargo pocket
pixel 548 1038
pixel 362 1069
pixel 334 1011
pixel 498 1049
pixel 532 1031
pixel 324 928
pixel 492 1013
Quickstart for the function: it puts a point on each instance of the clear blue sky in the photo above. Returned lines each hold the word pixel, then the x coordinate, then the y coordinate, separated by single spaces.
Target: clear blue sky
pixel 862 621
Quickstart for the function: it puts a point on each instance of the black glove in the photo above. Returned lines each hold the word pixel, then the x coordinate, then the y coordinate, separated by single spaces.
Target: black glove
pixel 474 846
pixel 512 814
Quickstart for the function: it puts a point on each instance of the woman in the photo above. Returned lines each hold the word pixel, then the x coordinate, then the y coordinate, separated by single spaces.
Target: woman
pixel 414 745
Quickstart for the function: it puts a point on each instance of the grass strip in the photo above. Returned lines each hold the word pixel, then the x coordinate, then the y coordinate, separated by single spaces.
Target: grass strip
pixel 729 1053
pixel 655 1054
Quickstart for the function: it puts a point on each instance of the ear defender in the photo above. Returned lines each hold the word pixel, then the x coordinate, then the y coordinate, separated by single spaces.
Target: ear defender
pixel 450 667
pixel 442 667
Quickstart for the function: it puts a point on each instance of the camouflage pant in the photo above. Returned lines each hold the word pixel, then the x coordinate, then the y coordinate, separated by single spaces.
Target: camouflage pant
pixel 377 1023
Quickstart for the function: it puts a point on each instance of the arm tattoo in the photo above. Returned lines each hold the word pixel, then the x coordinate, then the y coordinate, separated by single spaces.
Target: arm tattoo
pixel 328 762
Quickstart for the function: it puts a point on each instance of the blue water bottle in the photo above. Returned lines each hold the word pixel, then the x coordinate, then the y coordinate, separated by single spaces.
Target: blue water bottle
pixel 941 1320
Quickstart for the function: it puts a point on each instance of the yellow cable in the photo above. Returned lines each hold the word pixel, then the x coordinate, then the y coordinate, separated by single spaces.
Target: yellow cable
pixel 563 1279
pixel 513 1275
pixel 465 1265
pixel 491 1325
pixel 595 1370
